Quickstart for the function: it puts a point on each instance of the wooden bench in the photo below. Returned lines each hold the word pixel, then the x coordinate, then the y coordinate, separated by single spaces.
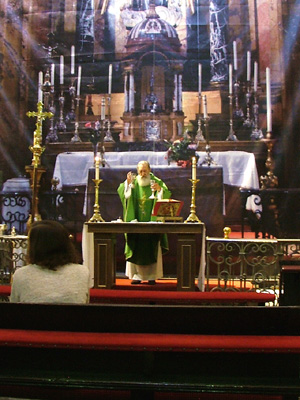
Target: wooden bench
pixel 150 348
pixel 114 296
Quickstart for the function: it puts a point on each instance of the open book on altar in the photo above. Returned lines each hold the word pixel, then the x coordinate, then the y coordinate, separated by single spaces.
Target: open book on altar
pixel 167 208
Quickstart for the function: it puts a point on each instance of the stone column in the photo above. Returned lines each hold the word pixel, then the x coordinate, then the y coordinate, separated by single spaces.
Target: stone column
pixel 126 93
pixel 175 97
pixel 131 91
pixel 179 107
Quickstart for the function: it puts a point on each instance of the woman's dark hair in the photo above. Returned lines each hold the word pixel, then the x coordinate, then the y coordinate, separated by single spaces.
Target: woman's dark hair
pixel 49 245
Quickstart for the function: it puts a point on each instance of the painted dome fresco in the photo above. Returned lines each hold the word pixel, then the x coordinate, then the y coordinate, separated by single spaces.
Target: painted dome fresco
pixel 153 31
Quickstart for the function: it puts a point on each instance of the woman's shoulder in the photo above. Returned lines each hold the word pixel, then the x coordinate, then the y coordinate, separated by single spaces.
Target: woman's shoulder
pixel 80 268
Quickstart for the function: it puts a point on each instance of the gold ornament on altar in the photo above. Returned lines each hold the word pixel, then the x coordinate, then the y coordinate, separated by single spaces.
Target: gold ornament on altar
pixel 97 216
pixel 193 217
pixel 35 170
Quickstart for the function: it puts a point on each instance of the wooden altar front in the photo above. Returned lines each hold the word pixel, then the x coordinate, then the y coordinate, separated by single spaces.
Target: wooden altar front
pixel 104 234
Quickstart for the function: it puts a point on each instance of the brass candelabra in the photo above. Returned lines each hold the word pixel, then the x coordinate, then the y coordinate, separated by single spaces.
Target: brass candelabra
pixel 193 217
pixel 35 169
pixel 97 216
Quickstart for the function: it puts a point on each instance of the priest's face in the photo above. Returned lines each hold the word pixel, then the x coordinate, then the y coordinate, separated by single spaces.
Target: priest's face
pixel 143 170
pixel 143 174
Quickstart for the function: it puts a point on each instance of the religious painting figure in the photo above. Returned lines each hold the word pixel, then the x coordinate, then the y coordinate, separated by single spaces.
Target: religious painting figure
pixel 143 252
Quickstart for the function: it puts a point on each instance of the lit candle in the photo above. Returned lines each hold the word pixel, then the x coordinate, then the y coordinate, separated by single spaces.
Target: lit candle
pixel 40 85
pixel 234 56
pixel 97 171
pixel 248 66
pixel 230 78
pixel 204 106
pixel 269 105
pixel 52 74
pixel 194 174
pixel 72 60
pixel 103 108
pixel 79 80
pixel 199 78
pixel 61 70
pixel 109 78
pixel 255 76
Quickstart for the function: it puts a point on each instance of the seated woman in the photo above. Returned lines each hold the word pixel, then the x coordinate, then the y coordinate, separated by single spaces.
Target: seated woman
pixel 53 274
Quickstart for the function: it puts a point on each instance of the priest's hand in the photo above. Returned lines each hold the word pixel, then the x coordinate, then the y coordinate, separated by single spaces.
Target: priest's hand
pixel 131 177
pixel 156 187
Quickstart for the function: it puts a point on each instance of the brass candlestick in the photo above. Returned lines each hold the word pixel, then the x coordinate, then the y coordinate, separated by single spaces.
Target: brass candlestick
pixel 97 216
pixel 193 217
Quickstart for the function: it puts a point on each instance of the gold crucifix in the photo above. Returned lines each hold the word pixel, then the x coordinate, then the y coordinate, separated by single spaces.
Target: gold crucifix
pixel 40 115
pixel 35 169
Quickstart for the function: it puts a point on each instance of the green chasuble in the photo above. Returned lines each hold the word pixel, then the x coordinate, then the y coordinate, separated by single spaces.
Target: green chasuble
pixel 142 249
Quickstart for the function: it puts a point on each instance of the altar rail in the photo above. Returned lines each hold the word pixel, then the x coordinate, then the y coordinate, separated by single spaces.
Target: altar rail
pixel 231 264
pixel 63 206
pixel 245 265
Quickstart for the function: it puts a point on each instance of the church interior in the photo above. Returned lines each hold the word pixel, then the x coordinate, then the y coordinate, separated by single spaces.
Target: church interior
pixel 207 93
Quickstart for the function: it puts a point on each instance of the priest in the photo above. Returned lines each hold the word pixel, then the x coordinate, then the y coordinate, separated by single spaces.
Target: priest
pixel 143 252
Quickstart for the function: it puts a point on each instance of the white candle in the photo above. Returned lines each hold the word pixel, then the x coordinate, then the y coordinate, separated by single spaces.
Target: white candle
pixel 230 78
pixel 109 78
pixel 40 85
pixel 103 108
pixel 199 78
pixel 61 70
pixel 248 66
pixel 234 56
pixel 194 173
pixel 52 74
pixel 79 80
pixel 72 60
pixel 269 105
pixel 255 76
pixel 204 106
pixel 97 171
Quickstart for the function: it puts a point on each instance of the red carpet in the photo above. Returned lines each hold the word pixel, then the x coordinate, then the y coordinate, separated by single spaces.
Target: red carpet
pixel 161 284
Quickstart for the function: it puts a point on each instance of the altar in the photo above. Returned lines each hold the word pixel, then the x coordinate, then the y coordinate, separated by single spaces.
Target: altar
pixel 233 168
pixel 104 240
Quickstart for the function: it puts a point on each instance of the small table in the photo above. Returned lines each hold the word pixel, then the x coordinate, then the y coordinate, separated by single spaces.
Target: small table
pixel 104 234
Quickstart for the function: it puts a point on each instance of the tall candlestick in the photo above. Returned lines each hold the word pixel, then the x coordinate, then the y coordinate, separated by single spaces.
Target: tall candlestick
pixel 97 171
pixel 103 108
pixel 248 66
pixel 72 60
pixel 234 56
pixel 255 76
pixel 230 78
pixel 52 74
pixel 199 78
pixel 109 78
pixel 79 80
pixel 269 105
pixel 194 172
pixel 205 115
pixel 40 85
pixel 61 70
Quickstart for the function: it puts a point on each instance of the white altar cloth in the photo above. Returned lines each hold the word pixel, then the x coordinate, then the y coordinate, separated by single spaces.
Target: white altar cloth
pixel 239 167
pixel 72 168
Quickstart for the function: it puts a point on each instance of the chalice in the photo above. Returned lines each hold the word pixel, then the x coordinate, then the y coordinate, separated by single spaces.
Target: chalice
pixel 152 182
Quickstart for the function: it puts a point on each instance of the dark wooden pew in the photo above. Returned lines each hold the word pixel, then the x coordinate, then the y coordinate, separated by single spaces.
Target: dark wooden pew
pixel 145 349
